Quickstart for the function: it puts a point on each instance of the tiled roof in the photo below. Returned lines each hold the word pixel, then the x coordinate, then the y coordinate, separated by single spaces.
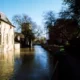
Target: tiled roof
pixel 4 18
pixel 19 34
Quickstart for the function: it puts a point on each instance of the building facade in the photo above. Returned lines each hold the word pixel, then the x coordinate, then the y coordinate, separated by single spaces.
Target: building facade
pixel 6 34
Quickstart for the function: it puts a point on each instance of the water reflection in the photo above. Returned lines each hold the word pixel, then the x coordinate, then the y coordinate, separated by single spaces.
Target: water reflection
pixel 42 57
pixel 6 65
pixel 35 65
pixel 28 64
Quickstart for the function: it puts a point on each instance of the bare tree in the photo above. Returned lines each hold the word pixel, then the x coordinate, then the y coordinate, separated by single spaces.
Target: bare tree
pixel 49 19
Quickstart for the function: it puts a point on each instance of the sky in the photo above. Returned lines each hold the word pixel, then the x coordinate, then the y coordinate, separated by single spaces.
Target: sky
pixel 34 8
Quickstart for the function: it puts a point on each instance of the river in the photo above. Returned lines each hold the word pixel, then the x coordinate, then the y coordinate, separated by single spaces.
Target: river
pixel 30 64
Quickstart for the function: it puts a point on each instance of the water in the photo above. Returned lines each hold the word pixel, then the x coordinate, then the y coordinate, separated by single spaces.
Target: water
pixel 29 64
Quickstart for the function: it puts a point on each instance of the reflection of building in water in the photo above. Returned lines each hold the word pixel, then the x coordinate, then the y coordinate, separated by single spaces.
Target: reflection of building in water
pixel 6 65
pixel 6 34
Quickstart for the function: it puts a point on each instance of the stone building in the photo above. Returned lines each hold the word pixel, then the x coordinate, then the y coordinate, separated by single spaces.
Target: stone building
pixel 6 34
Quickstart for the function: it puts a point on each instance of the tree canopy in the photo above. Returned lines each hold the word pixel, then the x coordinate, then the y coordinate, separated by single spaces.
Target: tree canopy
pixel 49 19
pixel 73 10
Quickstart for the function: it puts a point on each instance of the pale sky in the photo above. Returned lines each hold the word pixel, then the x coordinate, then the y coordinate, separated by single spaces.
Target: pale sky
pixel 34 8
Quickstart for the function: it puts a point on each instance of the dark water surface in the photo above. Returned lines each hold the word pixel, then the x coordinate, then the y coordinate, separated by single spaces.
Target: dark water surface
pixel 29 64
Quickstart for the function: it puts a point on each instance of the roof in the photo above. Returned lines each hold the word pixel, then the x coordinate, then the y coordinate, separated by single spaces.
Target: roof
pixel 5 19
pixel 19 34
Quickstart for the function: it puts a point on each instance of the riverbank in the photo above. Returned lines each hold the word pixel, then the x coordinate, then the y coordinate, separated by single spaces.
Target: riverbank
pixel 67 65
pixel 52 49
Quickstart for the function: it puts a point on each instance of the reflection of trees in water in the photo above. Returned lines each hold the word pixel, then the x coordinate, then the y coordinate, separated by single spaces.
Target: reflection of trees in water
pixel 27 55
pixel 23 60
pixel 6 65
pixel 27 51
